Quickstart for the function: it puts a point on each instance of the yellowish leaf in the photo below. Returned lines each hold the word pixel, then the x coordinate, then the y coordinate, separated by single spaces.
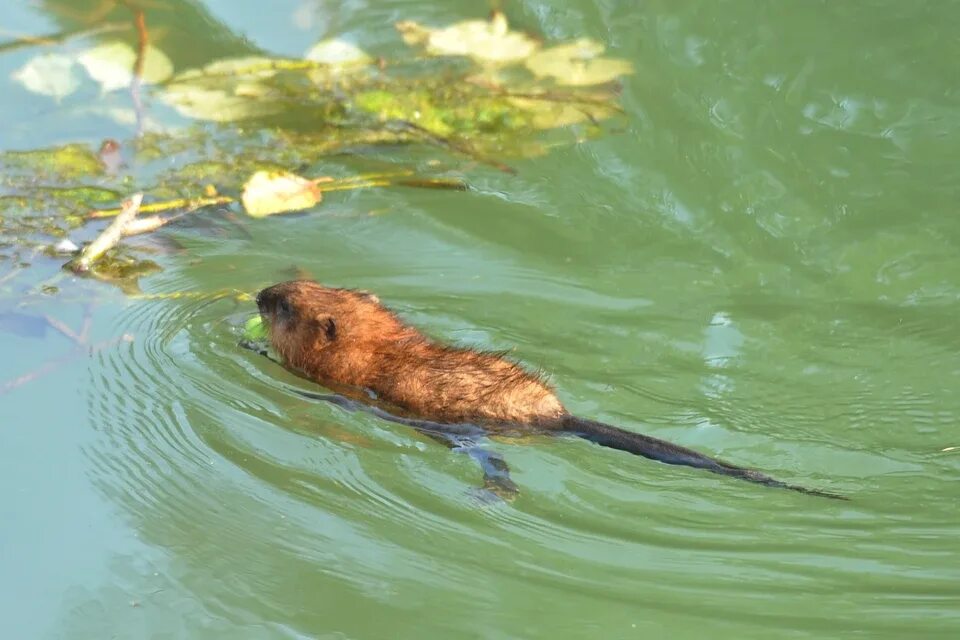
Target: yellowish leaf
pixel 270 192
pixel 218 105
pixel 489 42
pixel 577 64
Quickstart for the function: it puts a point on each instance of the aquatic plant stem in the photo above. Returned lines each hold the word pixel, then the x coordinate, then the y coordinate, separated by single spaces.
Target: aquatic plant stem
pixel 191 204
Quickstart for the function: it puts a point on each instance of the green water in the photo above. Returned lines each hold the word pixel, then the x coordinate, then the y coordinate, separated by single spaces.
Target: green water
pixel 760 263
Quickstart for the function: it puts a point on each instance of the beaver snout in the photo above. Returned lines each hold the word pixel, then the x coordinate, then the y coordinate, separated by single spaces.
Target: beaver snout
pixel 268 299
pixel 262 297
pixel 273 303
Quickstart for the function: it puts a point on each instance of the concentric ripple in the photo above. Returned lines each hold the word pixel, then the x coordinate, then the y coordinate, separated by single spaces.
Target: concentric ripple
pixel 262 495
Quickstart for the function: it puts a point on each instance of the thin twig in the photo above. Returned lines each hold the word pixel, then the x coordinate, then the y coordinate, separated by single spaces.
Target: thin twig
pixel 150 224
pixel 451 184
pixel 350 186
pixel 146 225
pixel 365 177
pixel 108 238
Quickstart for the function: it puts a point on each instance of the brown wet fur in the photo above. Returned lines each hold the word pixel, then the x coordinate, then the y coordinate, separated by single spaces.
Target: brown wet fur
pixel 345 337
pixel 348 341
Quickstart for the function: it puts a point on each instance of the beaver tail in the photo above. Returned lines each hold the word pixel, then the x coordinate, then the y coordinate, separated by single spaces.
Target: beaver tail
pixel 663 451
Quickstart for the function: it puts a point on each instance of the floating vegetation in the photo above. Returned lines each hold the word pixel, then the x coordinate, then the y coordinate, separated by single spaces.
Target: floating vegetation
pixel 478 92
pixel 578 64
pixel 113 65
pixel 64 163
pixel 109 238
pixel 487 42
pixel 270 192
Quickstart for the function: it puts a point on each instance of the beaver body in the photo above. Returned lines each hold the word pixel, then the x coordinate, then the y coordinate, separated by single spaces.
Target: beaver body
pixel 346 339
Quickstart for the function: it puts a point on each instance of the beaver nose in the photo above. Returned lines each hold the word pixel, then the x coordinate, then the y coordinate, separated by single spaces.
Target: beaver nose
pixel 263 298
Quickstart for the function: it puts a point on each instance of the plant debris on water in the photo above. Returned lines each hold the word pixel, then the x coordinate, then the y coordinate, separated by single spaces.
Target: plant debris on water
pixel 479 93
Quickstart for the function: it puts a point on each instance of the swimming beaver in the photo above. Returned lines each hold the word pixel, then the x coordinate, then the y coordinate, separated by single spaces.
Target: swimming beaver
pixel 346 340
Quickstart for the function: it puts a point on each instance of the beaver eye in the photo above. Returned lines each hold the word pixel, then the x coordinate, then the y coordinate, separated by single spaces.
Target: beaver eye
pixel 284 308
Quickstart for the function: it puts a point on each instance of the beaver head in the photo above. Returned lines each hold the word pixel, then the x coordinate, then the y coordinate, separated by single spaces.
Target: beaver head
pixel 309 323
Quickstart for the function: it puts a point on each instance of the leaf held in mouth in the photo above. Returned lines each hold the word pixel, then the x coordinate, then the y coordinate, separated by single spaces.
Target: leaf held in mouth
pixel 255 330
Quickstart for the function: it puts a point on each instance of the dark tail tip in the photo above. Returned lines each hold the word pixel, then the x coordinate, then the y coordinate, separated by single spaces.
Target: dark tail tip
pixel 817 492
pixel 762 478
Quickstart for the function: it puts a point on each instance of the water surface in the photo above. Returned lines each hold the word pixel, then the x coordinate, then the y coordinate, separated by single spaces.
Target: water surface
pixel 760 263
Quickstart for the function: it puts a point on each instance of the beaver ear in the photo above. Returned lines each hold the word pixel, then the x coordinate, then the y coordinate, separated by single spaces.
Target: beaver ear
pixel 327 326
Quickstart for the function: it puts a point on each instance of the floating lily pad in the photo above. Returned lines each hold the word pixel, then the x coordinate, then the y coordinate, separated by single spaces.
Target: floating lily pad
pixel 338 53
pixel 577 64
pixel 112 64
pixel 217 105
pixel 229 90
pixel 485 41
